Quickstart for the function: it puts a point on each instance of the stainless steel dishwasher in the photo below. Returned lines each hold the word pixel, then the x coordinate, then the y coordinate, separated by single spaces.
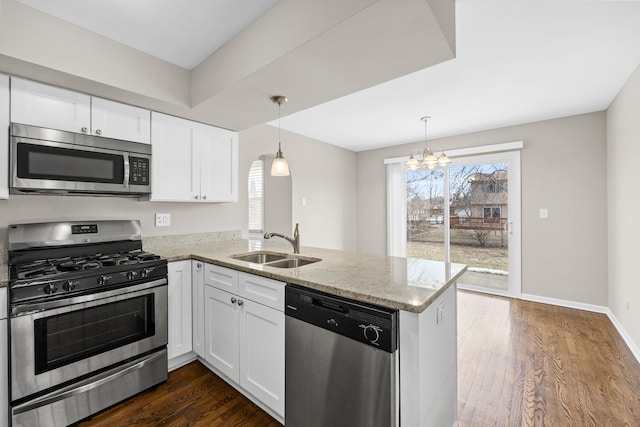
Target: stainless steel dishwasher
pixel 340 361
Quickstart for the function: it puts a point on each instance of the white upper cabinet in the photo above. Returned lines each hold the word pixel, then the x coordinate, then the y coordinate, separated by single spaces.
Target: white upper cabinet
pixel 120 121
pixel 4 137
pixel 219 164
pixel 193 162
pixel 47 106
pixel 37 104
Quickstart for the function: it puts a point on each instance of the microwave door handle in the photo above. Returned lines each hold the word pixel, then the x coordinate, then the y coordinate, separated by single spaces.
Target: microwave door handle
pixel 126 171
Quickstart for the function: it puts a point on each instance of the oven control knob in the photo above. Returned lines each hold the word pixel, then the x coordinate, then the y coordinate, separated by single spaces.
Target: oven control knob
pixel 50 288
pixel 131 275
pixel 372 333
pixel 145 272
pixel 69 285
pixel 102 280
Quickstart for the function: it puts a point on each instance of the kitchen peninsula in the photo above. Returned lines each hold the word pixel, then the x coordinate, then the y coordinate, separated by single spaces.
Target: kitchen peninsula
pixel 423 291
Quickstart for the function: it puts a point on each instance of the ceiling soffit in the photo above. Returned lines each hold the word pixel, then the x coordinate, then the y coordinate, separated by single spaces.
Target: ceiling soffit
pixel 310 51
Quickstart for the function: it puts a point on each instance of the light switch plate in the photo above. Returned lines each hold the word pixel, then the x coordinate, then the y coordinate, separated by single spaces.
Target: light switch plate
pixel 544 213
pixel 163 219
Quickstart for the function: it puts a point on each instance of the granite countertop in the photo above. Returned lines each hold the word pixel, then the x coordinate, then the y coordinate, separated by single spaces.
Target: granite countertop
pixel 408 284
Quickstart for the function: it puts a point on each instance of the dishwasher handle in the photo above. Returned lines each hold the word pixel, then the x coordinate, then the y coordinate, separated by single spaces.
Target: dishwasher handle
pixel 330 305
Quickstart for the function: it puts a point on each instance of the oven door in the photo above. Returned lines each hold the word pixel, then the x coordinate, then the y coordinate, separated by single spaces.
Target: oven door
pixel 57 166
pixel 56 342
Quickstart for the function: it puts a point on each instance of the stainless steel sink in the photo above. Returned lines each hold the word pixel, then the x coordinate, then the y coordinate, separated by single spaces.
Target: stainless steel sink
pixel 292 262
pixel 275 259
pixel 260 257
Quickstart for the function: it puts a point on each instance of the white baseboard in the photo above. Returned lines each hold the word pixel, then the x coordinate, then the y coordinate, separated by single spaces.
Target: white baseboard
pixel 593 308
pixel 179 361
pixel 566 303
pixel 625 336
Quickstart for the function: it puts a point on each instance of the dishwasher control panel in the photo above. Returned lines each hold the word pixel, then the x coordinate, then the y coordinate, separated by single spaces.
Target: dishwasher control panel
pixel 367 323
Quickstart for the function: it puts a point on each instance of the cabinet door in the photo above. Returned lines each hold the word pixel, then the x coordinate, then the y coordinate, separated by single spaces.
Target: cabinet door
pixel 219 165
pixel 197 305
pixel 179 308
pixel 4 137
pixel 221 331
pixel 120 121
pixel 173 145
pixel 262 354
pixel 47 106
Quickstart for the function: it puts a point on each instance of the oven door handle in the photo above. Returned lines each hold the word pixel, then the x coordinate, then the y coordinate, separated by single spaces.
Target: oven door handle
pixel 20 309
pixel 75 389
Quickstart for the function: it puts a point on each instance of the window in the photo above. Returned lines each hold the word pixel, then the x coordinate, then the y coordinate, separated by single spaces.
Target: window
pixel 256 197
pixel 491 214
pixel 492 186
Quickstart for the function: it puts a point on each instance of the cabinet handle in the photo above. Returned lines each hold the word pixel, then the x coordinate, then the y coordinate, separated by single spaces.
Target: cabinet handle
pixel 84 130
pixel 98 132
pixel 204 197
pixel 240 302
pixel 233 301
pixel 197 197
pixel 198 265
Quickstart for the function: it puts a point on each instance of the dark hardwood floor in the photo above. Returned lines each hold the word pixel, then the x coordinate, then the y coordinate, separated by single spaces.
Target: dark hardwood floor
pixel 520 364
pixel 192 396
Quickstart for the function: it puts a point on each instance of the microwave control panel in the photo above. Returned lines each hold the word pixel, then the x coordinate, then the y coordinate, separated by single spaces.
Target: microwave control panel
pixel 139 167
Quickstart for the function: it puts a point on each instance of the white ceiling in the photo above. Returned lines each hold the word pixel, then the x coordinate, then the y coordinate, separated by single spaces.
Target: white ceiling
pixel 516 61
pixel 182 32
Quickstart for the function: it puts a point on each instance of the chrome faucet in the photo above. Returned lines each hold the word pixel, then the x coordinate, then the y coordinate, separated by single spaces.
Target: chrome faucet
pixel 295 242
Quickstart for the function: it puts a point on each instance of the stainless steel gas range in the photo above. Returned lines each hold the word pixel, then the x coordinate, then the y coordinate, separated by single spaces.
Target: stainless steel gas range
pixel 87 319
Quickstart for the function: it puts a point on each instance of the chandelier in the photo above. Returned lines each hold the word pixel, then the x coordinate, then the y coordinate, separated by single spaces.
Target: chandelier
pixel 429 159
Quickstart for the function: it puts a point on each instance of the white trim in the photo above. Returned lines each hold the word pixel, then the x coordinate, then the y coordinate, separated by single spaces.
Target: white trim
pixel 485 149
pixel 483 290
pixel 566 303
pixel 180 361
pixel 623 333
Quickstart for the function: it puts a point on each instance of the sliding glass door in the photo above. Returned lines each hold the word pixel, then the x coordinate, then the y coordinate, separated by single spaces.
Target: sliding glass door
pixel 469 213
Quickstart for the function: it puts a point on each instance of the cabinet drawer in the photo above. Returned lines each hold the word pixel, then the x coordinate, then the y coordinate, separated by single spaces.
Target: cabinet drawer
pixel 221 278
pixel 265 291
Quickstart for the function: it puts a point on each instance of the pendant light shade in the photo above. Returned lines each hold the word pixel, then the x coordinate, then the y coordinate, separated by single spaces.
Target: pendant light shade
pixel 279 167
pixel 429 159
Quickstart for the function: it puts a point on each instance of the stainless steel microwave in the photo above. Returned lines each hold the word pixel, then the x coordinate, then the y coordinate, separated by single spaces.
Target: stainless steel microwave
pixel 58 162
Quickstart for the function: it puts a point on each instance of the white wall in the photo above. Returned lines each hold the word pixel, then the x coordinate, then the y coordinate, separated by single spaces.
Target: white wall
pixel 623 175
pixel 323 174
pixel 563 169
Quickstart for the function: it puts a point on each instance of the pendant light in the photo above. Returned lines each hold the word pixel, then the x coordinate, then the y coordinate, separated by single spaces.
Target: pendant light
pixel 279 167
pixel 429 159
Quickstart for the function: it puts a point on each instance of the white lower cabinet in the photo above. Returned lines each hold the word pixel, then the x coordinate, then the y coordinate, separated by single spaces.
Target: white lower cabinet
pixel 244 332
pixel 197 307
pixel 4 354
pixel 221 331
pixel 179 309
pixel 262 354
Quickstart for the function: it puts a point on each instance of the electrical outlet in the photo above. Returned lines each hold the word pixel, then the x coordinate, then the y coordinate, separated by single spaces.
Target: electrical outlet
pixel 544 213
pixel 163 219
